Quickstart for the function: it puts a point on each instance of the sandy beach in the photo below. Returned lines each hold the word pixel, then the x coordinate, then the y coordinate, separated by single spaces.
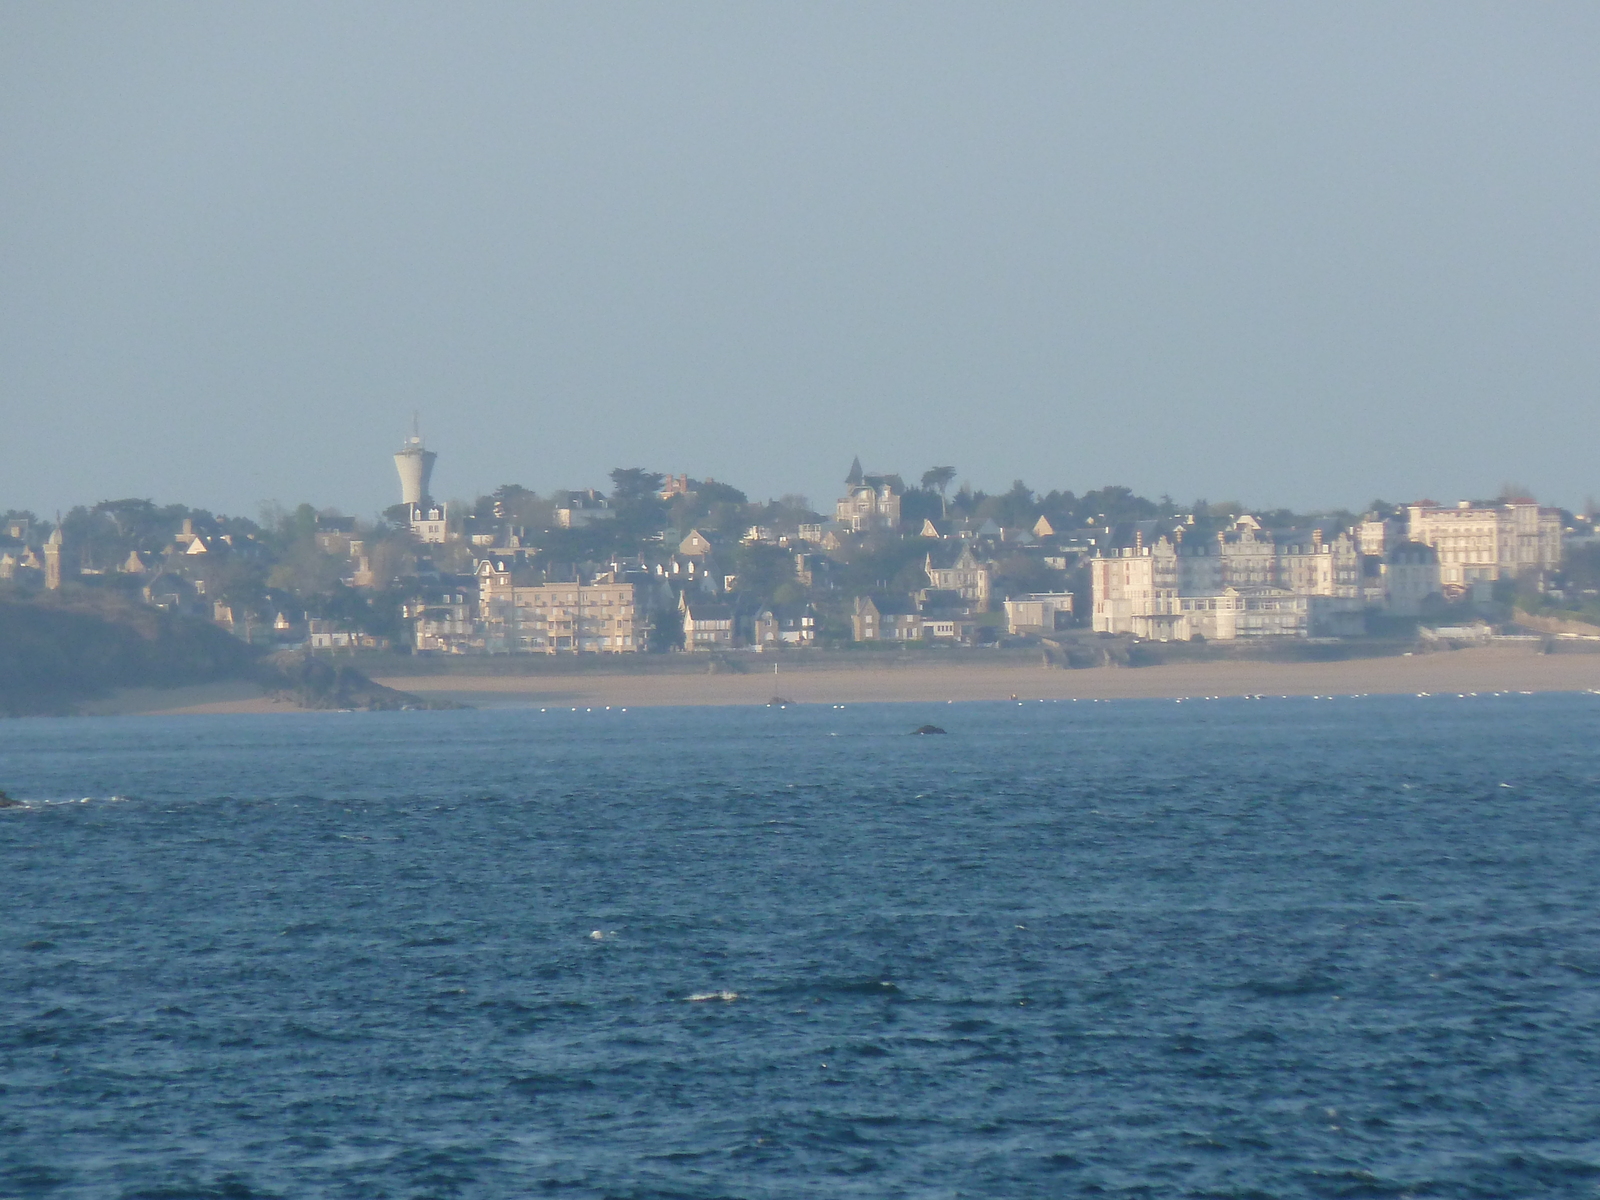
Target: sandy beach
pixel 1486 669
pixel 200 699
pixel 1498 668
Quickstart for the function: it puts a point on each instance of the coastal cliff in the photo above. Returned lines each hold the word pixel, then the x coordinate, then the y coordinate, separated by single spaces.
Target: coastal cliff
pixel 56 655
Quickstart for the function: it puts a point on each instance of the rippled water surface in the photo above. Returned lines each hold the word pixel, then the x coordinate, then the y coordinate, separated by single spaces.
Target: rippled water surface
pixel 1240 948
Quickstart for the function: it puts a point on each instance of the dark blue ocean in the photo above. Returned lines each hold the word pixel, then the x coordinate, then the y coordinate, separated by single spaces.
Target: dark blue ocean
pixel 1237 948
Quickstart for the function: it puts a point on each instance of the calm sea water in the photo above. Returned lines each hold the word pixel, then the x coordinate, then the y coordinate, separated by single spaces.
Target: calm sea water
pixel 1239 948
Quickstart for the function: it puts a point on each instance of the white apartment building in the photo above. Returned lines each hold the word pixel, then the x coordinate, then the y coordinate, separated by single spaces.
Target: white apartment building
pixel 442 623
pixel 1244 584
pixel 1482 544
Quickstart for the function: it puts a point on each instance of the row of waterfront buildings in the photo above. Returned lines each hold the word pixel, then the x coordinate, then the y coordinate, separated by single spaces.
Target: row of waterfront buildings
pixel 1244 581
pixel 514 605
pixel 1176 581
pixel 1249 582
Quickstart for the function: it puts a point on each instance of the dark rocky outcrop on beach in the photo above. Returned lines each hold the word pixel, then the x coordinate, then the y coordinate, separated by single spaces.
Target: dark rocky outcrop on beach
pixel 310 681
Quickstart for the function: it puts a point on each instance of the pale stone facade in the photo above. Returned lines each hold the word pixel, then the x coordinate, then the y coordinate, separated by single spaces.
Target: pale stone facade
pixel 1479 545
pixel 1410 574
pixel 867 507
pixel 877 618
pixel 442 623
pixel 1377 536
pixel 554 618
pixel 430 524
pixel 870 501
pixel 1037 612
pixel 961 573
pixel 52 560
pixel 707 625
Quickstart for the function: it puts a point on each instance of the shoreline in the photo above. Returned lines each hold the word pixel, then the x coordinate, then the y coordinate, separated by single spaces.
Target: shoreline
pixel 1479 669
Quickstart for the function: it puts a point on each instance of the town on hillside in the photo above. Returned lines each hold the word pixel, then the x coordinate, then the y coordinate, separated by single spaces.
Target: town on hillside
pixel 669 563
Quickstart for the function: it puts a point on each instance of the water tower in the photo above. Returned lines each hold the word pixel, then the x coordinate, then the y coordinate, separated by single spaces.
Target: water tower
pixel 415 464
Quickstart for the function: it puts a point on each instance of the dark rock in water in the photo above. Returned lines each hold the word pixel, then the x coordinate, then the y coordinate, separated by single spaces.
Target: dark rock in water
pixel 779 702
pixel 7 802
pixel 927 729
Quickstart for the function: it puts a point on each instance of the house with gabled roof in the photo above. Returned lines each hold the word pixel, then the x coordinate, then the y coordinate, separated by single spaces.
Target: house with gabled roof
pixel 956 568
pixel 886 618
pixel 698 545
pixel 785 625
pixel 707 624
pixel 870 502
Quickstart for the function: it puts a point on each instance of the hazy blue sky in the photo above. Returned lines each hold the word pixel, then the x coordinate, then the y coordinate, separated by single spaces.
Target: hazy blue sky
pixel 1289 254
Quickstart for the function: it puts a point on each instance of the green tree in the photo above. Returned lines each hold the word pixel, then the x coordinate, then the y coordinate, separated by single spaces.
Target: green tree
pixel 762 570
pixel 513 502
pixel 305 570
pixel 938 479
pixel 1019 574
pixel 584 543
pixel 887 565
pixel 1015 509
pixel 633 483
pixel 636 499
pixel 918 505
pixel 711 506
pixel 967 502
pixel 1060 509
pixel 290 528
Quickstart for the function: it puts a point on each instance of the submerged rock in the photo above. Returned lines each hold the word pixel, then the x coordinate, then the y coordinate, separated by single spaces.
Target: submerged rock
pixel 7 802
pixel 927 729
